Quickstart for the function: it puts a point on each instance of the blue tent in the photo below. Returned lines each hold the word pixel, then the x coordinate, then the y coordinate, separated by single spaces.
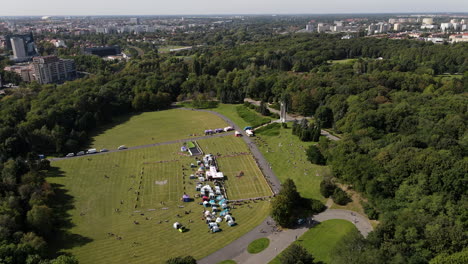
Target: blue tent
pixel 248 128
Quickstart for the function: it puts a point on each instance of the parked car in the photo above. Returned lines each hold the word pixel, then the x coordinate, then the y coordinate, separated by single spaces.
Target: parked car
pixel 122 147
pixel 81 153
pixel 71 154
pixel 91 151
pixel 103 150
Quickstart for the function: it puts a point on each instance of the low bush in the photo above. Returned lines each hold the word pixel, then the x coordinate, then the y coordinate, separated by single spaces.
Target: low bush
pixel 327 188
pixel 340 197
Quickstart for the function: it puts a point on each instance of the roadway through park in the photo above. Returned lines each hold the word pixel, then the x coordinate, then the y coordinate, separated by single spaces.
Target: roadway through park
pixel 279 239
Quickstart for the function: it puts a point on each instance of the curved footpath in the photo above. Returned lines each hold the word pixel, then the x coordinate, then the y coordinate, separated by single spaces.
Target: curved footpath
pixel 279 241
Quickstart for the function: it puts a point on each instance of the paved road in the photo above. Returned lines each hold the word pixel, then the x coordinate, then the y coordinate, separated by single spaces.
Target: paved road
pixel 292 118
pixel 149 145
pixel 361 222
pixel 279 241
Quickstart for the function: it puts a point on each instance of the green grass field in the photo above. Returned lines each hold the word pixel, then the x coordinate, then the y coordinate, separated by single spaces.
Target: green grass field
pixel 101 184
pixel 152 127
pixel 230 111
pixel 102 197
pixel 233 160
pixel 251 117
pixel 258 245
pixel 286 154
pixel 321 239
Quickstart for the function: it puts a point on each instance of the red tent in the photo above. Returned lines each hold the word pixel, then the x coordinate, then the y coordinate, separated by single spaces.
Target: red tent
pixel 205 198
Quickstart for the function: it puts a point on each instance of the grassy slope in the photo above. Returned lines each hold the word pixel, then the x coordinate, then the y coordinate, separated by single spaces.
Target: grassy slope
pixel 320 240
pixel 152 127
pixel 253 118
pixel 286 154
pixel 230 111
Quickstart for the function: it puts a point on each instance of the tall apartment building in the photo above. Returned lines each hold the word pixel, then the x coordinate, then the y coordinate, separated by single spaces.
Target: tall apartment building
pixel 18 47
pixel 23 44
pixel 310 27
pixel 51 69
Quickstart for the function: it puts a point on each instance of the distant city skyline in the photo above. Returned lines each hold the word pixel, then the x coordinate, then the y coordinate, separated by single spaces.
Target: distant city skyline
pixel 220 7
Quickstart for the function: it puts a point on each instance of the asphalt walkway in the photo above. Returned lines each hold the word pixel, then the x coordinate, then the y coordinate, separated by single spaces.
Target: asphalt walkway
pixel 149 145
pixel 280 240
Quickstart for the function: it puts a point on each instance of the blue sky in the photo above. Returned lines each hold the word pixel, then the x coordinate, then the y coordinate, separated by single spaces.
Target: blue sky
pixel 175 7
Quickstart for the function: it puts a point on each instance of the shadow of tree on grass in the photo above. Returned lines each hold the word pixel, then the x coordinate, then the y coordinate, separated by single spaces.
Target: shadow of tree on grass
pixel 62 202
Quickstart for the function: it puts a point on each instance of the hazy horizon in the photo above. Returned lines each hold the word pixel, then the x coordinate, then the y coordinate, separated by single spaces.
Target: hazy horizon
pixel 225 7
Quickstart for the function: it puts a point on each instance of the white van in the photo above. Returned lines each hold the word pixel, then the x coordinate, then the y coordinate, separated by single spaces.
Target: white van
pixel 91 151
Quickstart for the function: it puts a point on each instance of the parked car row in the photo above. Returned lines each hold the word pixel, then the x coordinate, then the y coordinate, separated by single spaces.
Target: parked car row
pixel 91 151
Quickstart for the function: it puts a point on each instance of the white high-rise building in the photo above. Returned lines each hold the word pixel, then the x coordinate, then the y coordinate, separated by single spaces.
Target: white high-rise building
pixel 19 50
pixel 321 27
pixel 397 27
pixel 446 26
pixel 428 21
pixel 310 27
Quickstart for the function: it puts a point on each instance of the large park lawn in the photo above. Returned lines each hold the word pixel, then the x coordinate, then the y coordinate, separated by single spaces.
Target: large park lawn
pixel 119 207
pixel 321 239
pixel 286 154
pixel 153 127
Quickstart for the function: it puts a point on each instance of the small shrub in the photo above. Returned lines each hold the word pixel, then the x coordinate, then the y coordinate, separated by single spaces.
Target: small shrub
pixel 340 197
pixel 284 125
pixel 317 206
pixel 327 188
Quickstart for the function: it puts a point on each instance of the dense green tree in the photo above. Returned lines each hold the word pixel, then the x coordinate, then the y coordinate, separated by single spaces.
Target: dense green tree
pixel 327 187
pixel 40 219
pixel 324 116
pixel 314 155
pixel 295 254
